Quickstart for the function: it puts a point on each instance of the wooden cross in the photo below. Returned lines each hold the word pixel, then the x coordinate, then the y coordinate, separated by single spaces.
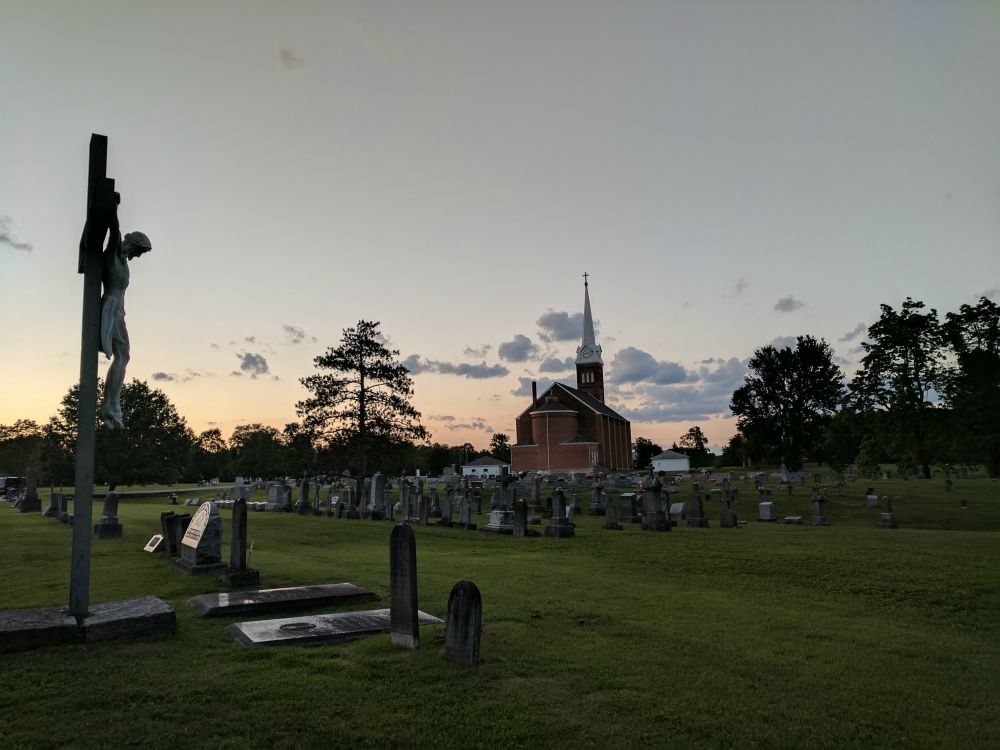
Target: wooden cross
pixel 101 205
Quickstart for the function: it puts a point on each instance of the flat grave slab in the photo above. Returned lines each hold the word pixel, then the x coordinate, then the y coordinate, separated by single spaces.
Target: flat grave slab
pixel 148 616
pixel 23 629
pixel 316 629
pixel 277 600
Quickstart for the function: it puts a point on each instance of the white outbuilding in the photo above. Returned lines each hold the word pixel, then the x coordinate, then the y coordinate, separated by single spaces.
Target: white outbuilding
pixel 486 466
pixel 671 462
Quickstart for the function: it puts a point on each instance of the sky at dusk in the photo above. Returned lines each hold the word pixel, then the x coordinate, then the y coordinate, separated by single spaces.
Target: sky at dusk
pixel 730 174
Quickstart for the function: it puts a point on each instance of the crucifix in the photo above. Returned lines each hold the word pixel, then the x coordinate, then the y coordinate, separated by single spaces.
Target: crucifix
pixel 585 278
pixel 103 329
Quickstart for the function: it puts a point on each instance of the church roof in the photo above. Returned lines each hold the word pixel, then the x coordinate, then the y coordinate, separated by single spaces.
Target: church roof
pixel 668 454
pixel 553 405
pixel 487 461
pixel 585 399
pixel 578 439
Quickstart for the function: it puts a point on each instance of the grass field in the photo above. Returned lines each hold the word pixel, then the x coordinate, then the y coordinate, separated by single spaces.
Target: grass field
pixel 763 636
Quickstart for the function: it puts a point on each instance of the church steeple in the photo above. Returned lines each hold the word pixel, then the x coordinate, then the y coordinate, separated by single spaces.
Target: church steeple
pixel 589 364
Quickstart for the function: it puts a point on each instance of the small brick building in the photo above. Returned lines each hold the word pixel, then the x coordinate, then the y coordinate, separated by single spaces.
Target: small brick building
pixel 572 429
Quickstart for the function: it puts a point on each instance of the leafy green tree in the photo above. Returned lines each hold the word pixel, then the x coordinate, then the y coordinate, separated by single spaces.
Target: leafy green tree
pixel 210 456
pixel 154 446
pixel 20 446
pixel 901 370
pixel 972 387
pixel 735 453
pixel 361 396
pixel 500 446
pixel 694 444
pixel 786 395
pixel 299 450
pixel 257 451
pixel 644 449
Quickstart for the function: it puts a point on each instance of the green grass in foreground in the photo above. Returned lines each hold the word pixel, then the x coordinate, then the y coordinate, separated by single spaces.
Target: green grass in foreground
pixel 767 636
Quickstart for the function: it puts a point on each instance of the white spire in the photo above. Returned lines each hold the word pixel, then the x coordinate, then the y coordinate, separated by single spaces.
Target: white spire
pixel 588 351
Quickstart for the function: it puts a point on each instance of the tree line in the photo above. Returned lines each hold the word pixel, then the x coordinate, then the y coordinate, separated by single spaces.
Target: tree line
pixel 927 391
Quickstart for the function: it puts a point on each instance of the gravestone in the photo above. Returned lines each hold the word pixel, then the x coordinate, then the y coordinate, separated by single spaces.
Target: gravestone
pixel 436 502
pixel 108 527
pixel 871 498
pixel 378 497
pixel 465 514
pixel 678 512
pixel 559 526
pixel 611 518
pixel 630 513
pixel 696 518
pixel 238 574
pixel 597 500
pixel 464 626
pixel 303 507
pixel 30 502
pixel 423 511
pixel 55 499
pixel 536 494
pixel 887 520
pixel 765 512
pixel 351 510
pixel 287 506
pixel 403 619
pixel 201 547
pixel 819 517
pixel 63 508
pixel 155 544
pixel 654 519
pixel 275 497
pixel 501 521
pixel 521 520
pixel 447 510
pixel 796 520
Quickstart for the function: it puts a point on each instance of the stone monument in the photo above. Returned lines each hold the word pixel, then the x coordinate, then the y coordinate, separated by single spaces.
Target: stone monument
pixel 201 547
pixel 464 626
pixel 108 527
pixel 238 574
pixel 403 618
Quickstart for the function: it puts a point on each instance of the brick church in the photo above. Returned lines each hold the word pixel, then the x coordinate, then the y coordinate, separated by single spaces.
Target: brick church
pixel 572 429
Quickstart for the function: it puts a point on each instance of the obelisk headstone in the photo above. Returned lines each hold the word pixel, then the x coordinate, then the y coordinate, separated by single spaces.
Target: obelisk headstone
pixel 403 619
pixel 238 574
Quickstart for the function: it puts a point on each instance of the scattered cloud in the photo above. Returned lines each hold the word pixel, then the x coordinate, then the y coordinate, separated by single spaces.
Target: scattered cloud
pixel 740 286
pixel 705 394
pixel 9 238
pixel 441 418
pixel 296 335
pixel 631 365
pixel 480 371
pixel 250 339
pixel 788 304
pixel 990 294
pixel 475 424
pixel 519 349
pixel 560 326
pixel 252 365
pixel 479 353
pixel 289 60
pixel 174 377
pixel 214 346
pixel 859 349
pixel 554 364
pixel 524 386
pixel 854 332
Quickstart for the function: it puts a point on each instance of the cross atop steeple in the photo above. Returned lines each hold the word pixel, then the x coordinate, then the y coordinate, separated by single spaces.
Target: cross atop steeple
pixel 585 275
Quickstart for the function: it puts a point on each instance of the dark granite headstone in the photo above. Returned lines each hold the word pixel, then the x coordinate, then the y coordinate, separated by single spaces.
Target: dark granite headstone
pixel 611 518
pixel 303 507
pixel 559 526
pixel 424 511
pixel 403 587
pixel 238 574
pixel 464 626
pixel 654 519
pixel 108 527
pixel 55 498
pixel 30 502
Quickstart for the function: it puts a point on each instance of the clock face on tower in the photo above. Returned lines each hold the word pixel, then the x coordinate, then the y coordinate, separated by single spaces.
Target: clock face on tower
pixel 586 352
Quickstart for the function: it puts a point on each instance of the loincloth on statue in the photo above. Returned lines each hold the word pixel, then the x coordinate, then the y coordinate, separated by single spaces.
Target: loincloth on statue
pixel 112 322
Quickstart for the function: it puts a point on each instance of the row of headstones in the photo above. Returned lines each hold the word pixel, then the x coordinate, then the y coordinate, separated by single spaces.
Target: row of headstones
pixel 194 543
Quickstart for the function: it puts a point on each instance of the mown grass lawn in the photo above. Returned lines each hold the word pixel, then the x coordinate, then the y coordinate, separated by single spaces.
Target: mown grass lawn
pixel 763 636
